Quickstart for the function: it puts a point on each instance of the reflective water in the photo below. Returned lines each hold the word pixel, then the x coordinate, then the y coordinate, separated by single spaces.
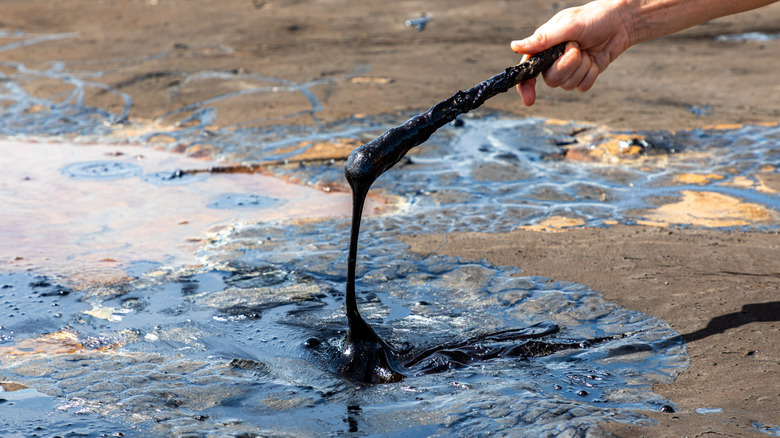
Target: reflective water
pixel 241 340
pixel 769 430
pixel 94 225
pixel 747 36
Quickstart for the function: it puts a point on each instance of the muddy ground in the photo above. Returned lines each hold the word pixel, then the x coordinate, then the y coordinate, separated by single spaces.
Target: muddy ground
pixel 147 47
pixel 719 288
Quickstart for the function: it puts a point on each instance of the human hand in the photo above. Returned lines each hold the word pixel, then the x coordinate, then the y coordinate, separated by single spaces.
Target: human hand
pixel 597 34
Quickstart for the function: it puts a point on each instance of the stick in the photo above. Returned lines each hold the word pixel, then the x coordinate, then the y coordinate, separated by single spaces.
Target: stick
pixel 367 162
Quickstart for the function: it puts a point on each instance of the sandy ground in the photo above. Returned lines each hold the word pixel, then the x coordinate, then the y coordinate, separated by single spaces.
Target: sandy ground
pixel 719 289
pixel 148 47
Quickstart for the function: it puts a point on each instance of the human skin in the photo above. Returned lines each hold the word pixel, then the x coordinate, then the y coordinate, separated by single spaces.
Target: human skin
pixel 599 31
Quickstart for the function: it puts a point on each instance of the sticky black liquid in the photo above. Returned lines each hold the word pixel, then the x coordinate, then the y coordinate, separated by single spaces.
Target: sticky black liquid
pixel 365 356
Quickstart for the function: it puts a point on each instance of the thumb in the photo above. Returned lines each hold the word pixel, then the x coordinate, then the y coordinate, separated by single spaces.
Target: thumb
pixel 533 44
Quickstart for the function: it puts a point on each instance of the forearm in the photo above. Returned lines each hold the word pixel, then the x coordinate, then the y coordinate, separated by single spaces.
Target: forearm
pixel 648 19
pixel 600 31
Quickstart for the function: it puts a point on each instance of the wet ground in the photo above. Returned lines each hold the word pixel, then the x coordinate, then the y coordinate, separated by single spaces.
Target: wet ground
pixel 216 353
pixel 145 299
pixel 221 347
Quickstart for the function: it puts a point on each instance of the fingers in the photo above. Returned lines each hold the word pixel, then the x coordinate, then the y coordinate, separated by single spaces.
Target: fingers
pixel 575 69
pixel 590 77
pixel 527 91
pixel 579 73
pixel 564 67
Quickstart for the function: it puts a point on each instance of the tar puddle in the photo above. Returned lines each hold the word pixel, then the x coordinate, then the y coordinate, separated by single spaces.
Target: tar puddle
pixel 224 312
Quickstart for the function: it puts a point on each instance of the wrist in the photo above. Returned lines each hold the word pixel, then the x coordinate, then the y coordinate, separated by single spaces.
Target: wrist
pixel 647 19
pixel 634 22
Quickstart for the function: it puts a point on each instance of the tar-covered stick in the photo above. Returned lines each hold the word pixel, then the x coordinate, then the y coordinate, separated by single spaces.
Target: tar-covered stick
pixel 365 356
pixel 367 162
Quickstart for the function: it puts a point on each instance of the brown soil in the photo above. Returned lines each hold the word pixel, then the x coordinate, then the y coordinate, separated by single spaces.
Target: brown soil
pixel 148 49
